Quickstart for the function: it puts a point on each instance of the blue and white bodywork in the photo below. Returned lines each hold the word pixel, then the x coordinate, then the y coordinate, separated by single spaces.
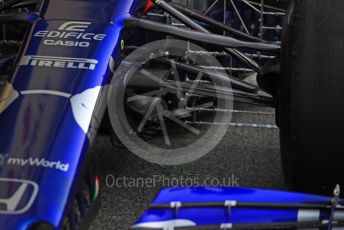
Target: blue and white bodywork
pixel 237 208
pixel 52 105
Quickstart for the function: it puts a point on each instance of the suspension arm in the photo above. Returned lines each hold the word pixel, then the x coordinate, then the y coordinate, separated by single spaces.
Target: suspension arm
pixel 200 37
pixel 8 4
pixel 15 17
pixel 193 69
pixel 205 19
pixel 193 25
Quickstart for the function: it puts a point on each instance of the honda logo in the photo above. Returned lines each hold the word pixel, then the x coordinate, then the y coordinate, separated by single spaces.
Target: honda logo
pixel 17 196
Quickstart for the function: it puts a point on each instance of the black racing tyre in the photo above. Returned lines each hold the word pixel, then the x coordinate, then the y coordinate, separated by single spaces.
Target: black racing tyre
pixel 311 96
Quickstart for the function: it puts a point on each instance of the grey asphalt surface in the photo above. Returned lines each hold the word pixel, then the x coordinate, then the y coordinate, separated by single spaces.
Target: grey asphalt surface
pixel 248 157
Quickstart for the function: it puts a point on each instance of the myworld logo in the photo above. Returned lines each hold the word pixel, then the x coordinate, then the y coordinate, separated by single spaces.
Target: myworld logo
pixel 38 162
pixel 33 162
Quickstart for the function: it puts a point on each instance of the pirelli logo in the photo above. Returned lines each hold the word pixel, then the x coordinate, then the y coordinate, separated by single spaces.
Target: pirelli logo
pixel 59 62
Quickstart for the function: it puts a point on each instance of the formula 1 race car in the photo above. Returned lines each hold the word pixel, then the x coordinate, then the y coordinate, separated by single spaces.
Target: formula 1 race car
pixel 65 61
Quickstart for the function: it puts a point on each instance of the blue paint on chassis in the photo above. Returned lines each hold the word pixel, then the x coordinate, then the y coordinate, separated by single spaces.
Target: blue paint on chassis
pixel 217 216
pixel 40 123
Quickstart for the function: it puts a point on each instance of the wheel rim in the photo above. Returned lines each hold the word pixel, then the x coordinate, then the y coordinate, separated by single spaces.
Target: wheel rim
pixel 169 153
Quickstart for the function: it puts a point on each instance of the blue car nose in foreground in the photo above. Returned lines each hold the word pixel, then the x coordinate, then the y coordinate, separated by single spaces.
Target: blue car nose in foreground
pixel 50 111
pixel 240 208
